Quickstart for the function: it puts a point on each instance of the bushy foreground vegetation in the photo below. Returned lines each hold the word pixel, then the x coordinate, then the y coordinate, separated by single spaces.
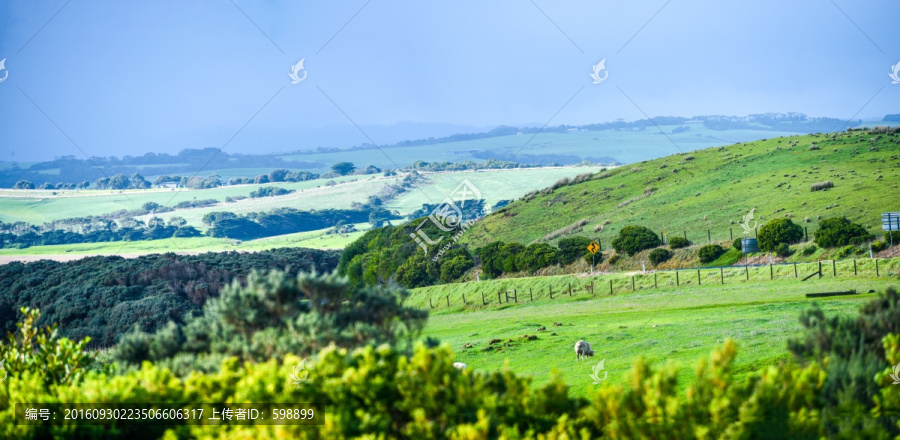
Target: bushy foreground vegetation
pixel 840 387
pixel 276 315
pixel 104 297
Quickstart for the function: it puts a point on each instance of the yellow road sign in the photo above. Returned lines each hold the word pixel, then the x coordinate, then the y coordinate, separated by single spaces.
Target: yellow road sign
pixel 593 247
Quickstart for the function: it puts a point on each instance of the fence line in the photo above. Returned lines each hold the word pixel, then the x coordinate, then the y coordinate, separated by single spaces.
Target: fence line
pixel 672 277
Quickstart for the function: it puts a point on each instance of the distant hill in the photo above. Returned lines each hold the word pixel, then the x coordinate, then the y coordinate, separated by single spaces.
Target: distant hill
pixel 707 192
pixel 606 143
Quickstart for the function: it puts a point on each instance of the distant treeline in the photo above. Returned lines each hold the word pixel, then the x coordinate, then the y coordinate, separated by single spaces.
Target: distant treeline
pixel 793 122
pixel 153 232
pixel 282 221
pixel 72 169
pixel 105 297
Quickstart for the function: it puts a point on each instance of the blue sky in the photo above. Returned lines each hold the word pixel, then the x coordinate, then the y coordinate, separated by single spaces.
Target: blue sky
pixel 123 78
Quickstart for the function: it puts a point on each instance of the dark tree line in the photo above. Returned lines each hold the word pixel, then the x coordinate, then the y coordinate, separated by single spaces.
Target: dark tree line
pixel 104 297
pixel 281 221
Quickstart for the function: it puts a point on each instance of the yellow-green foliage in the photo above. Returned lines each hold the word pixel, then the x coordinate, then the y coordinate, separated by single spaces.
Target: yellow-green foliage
pixel 31 349
pixel 379 392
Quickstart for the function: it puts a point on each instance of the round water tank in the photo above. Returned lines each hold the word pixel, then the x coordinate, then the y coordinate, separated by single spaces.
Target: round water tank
pixel 749 245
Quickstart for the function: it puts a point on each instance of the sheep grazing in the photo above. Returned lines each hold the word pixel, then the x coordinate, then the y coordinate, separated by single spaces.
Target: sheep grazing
pixel 583 350
pixel 459 365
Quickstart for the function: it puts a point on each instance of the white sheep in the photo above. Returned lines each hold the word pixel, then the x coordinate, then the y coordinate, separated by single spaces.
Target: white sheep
pixel 582 350
pixel 459 365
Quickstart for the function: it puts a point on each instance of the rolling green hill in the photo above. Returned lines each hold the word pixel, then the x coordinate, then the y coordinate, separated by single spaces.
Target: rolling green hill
pixel 706 193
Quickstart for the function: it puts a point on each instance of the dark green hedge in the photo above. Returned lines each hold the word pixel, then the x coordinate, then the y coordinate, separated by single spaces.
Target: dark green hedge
pixel 104 297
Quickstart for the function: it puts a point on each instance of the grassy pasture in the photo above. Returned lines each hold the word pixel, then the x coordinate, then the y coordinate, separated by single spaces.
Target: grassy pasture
pixel 668 324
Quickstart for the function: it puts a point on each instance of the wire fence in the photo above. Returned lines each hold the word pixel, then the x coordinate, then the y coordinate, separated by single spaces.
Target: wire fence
pixel 605 285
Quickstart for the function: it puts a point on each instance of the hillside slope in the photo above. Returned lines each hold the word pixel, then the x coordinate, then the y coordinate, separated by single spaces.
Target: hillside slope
pixel 712 189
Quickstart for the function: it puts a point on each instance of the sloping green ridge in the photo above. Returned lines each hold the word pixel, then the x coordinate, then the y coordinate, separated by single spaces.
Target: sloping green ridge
pixel 712 189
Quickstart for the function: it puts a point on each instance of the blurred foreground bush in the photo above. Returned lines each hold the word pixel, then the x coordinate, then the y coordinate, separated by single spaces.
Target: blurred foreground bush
pixel 380 392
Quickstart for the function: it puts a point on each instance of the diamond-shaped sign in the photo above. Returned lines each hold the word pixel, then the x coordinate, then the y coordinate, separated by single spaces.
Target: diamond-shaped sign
pixel 593 247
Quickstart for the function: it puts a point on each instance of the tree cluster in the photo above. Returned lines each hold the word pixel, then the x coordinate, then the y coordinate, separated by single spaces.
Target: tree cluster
pixel 102 297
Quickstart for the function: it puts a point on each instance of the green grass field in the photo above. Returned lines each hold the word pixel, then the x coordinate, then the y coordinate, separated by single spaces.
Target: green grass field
pixel 38 206
pixel 494 185
pixel 711 190
pixel 311 239
pixel 668 324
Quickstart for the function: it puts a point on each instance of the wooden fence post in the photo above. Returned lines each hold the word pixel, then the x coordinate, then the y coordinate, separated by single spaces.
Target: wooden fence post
pixel 551 292
pixel 820 269
pixel 708 236
pixel 570 289
pixel 771 272
pixel 516 295
pixel 448 300
pixel 876 268
pixel 464 300
pixel 854 267
pixel 677 283
pixel 430 304
pixel 698 277
pixel 722 274
pixel 731 233
pixel 482 299
pixel 685 235
pixel 498 298
pixel 531 294
pixel 795 270
pixel 632 283
pixel 592 287
pixel 747 270
pixel 833 268
pixel 654 281
pixel 610 282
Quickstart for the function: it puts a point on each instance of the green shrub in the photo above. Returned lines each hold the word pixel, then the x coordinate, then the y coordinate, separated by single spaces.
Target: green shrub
pixel 614 259
pixel 455 268
pixel 55 359
pixel 846 250
pixel 399 253
pixel 783 250
pixel 277 314
pixel 491 259
pixel 809 250
pixel 879 246
pixel 709 253
pixel 838 231
pixel 856 349
pixel 633 239
pixel 269 191
pixel 778 231
pixel 678 242
pixel 509 254
pixel 571 248
pixel 737 244
pixel 659 255
pixel 593 258
pixel 536 256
